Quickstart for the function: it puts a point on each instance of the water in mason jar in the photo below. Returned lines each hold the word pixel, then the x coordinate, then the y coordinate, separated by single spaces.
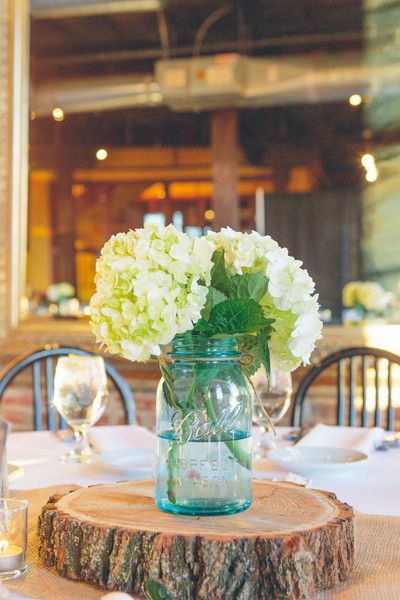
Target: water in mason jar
pixel 205 476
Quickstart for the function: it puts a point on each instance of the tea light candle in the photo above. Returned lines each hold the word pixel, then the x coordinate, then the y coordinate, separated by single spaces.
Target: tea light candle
pixel 10 556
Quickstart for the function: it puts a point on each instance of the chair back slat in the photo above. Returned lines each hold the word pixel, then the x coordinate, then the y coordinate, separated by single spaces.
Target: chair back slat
pixel 352 391
pixel 390 409
pixel 366 382
pixel 340 393
pixel 364 387
pixel 51 417
pixel 37 395
pixel 52 413
pixel 378 413
pixel 47 356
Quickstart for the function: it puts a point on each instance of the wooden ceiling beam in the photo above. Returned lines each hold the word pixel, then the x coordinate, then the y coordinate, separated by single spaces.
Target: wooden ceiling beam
pixel 164 174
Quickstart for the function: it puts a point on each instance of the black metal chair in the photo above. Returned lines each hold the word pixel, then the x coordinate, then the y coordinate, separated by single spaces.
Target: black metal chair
pixel 44 357
pixel 352 366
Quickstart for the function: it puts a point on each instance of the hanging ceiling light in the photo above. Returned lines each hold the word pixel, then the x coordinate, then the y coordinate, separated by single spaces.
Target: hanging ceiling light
pixel 371 175
pixel 101 154
pixel 58 114
pixel 368 161
pixel 355 100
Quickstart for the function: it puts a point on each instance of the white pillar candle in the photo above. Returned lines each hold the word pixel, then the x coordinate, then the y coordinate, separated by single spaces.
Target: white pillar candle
pixel 10 556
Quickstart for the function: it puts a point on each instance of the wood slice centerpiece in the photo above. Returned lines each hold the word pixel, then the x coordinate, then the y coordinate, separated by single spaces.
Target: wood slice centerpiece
pixel 290 543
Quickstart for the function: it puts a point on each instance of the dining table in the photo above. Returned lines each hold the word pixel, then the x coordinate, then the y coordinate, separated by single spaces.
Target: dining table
pixel 373 487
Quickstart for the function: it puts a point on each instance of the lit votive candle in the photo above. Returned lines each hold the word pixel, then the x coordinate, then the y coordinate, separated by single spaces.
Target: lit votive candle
pixel 13 537
pixel 10 556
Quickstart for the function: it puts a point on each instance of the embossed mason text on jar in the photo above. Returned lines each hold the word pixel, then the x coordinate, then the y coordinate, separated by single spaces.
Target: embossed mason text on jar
pixel 204 430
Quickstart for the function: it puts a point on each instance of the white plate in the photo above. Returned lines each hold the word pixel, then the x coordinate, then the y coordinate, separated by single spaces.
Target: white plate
pixel 316 460
pixel 128 460
pixel 14 472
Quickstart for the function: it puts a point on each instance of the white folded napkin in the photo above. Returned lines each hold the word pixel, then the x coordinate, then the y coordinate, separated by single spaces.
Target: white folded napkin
pixel 355 438
pixel 120 437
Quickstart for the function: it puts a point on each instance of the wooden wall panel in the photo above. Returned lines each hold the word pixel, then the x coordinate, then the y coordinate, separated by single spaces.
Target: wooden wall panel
pixel 322 230
pixel 381 230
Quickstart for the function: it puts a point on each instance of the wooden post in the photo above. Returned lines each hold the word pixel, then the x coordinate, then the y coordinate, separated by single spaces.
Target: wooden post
pixel 63 226
pixel 224 152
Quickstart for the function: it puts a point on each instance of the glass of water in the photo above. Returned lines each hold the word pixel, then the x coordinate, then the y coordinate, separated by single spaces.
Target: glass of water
pixel 80 396
pixel 274 396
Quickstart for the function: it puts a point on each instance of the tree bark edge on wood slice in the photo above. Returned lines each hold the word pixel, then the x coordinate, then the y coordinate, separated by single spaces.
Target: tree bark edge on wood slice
pixel 291 542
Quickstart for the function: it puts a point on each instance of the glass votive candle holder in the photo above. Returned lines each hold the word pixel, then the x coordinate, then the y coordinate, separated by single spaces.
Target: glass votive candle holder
pixel 13 537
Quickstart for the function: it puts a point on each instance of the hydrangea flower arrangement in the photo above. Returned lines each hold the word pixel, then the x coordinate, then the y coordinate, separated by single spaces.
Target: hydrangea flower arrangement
pixel 155 283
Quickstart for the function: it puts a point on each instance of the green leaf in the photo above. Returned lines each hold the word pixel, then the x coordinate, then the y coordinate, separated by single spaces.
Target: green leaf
pixel 204 373
pixel 214 297
pixel 200 327
pixel 236 316
pixel 249 285
pixel 263 350
pixel 168 385
pixel 156 591
pixel 219 274
pixel 250 357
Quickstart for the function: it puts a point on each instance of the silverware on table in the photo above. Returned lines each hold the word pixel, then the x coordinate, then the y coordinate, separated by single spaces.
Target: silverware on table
pixel 297 434
pixel 389 441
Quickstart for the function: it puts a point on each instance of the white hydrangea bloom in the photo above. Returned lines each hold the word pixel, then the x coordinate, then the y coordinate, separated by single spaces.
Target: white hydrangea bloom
pixel 373 297
pixel 368 294
pixel 151 284
pixel 290 299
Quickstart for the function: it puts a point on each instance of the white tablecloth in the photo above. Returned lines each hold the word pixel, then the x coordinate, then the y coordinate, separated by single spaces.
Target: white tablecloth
pixel 374 487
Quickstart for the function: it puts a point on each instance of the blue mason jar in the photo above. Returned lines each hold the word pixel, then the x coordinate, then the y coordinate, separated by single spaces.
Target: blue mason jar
pixel 203 464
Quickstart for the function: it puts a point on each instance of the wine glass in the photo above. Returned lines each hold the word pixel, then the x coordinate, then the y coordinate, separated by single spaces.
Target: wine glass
pixel 273 397
pixel 80 396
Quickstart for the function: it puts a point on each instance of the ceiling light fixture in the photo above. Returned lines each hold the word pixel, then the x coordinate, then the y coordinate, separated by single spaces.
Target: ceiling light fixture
pixel 371 175
pixel 355 100
pixel 58 114
pixel 368 161
pixel 101 154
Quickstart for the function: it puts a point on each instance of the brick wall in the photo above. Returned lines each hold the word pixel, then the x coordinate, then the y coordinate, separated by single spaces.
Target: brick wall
pixel 17 403
pixel 17 408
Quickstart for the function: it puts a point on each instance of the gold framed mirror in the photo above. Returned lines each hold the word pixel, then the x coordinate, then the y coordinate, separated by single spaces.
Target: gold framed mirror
pixel 264 172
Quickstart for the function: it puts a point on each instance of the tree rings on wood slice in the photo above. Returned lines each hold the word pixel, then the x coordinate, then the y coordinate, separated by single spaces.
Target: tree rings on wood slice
pixel 291 542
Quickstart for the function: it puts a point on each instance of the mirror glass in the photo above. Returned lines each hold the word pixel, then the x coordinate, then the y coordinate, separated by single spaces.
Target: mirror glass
pixel 121 133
